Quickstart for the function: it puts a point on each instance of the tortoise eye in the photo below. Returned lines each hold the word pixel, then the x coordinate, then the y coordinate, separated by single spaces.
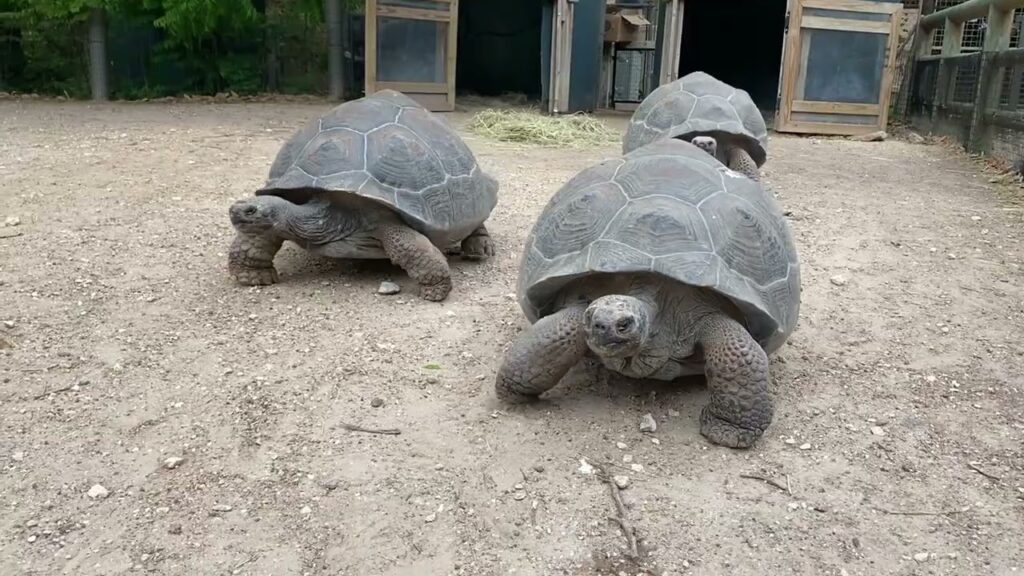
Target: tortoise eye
pixel 250 210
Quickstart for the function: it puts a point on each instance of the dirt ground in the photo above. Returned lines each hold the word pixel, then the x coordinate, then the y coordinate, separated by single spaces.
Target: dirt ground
pixel 896 447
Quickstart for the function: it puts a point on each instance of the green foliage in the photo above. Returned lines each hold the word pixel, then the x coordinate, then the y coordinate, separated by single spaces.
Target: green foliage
pixel 165 47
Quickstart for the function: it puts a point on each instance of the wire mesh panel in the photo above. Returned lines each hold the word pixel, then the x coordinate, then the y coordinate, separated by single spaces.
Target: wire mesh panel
pixel 965 80
pixel 974 31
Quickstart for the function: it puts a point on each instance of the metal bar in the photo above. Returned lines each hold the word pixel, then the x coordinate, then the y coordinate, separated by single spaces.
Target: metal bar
pixel 966 11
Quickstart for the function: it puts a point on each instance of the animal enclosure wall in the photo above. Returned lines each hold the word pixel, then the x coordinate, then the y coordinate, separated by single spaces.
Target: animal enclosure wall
pixel 974 96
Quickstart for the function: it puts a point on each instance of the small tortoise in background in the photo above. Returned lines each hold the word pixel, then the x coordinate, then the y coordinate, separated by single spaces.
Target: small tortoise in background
pixel 661 263
pixel 703 109
pixel 377 177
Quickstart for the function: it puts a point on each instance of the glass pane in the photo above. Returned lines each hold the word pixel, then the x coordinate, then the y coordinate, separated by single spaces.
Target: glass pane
pixel 422 4
pixel 411 50
pixel 841 66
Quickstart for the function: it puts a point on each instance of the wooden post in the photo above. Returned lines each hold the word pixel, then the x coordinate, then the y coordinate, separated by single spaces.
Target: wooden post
pixel 98 54
pixel 332 16
pixel 990 76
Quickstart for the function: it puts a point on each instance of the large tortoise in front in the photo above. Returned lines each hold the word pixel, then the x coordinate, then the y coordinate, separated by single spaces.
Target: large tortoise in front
pixel 661 263
pixel 698 107
pixel 377 177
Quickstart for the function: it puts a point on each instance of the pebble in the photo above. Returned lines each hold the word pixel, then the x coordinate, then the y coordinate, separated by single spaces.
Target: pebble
pixel 655 441
pixel 173 462
pixel 877 431
pixel 98 491
pixel 330 485
pixel 175 529
pixel 805 446
pixel 163 510
pixel 18 456
pixel 222 508
pixel 518 487
pixel 921 557
pixel 538 468
pixel 377 402
pixel 915 138
pixel 32 538
pixel 627 458
pixel 430 518
pixel 621 445
pixel 432 380
pixel 12 221
pixel 621 481
pixel 388 288
pixel 647 423
pixel 9 324
pixel 838 280
pixel 636 467
pixel 790 441
pixel 585 468
pixel 519 495
pixel 306 510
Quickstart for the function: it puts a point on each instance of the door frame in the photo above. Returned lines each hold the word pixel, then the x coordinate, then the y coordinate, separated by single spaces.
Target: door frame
pixel 561 56
pixel 793 59
pixel 435 96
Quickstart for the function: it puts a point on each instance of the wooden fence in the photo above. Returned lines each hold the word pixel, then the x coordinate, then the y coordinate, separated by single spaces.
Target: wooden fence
pixel 976 97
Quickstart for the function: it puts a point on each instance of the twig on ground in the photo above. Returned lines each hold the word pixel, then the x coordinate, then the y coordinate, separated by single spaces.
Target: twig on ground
pixel 768 481
pixel 54 391
pixel 620 510
pixel 789 487
pixel 252 558
pixel 919 513
pixel 621 520
pixel 386 431
pixel 974 467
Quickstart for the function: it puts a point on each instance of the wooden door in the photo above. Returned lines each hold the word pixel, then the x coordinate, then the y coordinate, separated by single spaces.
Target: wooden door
pixel 410 47
pixel 838 66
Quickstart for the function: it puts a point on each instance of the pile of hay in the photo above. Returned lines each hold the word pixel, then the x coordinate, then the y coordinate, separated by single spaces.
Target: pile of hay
pixel 532 127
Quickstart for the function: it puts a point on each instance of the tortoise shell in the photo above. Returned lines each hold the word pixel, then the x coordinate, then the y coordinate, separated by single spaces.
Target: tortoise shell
pixel 388 148
pixel 698 103
pixel 668 208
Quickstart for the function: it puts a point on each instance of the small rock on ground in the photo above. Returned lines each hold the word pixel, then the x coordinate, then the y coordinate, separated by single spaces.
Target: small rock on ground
pixel 915 138
pixel 838 280
pixel 647 423
pixel 12 221
pixel 377 402
pixel 98 492
pixel 387 288
pixel 222 508
pixel 877 431
pixel 921 557
pixel 621 481
pixel 173 462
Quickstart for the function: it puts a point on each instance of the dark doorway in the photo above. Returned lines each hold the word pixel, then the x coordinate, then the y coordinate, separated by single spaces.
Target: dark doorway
pixel 737 41
pixel 499 44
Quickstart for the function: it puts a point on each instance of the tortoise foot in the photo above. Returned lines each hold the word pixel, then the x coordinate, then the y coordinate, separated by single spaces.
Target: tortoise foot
pixel 726 433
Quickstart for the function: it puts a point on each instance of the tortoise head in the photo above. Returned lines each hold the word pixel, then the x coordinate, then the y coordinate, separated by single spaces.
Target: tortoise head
pixel 706 143
pixel 616 326
pixel 258 214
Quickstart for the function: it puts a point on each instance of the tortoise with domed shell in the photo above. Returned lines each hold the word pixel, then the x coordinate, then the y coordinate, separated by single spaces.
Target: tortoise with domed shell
pixel 377 177
pixel 661 263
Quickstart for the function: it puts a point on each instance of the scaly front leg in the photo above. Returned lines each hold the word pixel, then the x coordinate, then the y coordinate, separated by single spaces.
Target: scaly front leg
pixel 251 259
pixel 737 372
pixel 542 355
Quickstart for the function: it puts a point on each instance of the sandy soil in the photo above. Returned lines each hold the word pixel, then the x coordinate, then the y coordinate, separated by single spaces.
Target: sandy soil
pixel 896 446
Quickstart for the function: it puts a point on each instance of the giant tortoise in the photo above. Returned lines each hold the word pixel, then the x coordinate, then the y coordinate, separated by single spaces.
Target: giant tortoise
pixel 660 263
pixel 377 177
pixel 698 106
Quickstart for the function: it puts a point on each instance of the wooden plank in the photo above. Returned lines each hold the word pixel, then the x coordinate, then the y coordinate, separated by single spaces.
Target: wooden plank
pixel 968 10
pixel 854 6
pixel 453 46
pixel 790 66
pixel 889 71
pixel 433 102
pixel 413 13
pixel 952 38
pixel 830 129
pixel 415 87
pixel 835 108
pixel 370 48
pixel 845 24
